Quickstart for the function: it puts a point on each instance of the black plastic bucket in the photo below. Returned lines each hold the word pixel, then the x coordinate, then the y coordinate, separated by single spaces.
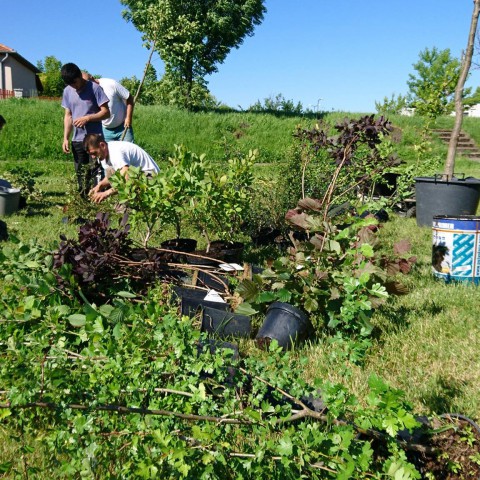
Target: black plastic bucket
pixel 453 198
pixel 286 324
pixel 225 324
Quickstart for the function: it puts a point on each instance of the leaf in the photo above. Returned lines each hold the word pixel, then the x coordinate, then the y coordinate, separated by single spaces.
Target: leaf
pixel 245 309
pixel 284 295
pixel 266 297
pixel 126 294
pixel 402 247
pixel 117 331
pixel 285 447
pixel 247 289
pixel 77 320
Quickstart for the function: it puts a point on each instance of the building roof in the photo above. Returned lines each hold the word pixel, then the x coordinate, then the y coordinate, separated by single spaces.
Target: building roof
pixel 11 52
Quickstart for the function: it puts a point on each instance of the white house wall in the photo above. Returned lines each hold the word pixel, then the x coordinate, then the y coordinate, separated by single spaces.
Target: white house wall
pixel 17 76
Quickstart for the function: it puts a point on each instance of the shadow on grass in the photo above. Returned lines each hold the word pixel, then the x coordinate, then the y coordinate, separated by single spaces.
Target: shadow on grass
pixel 396 318
pixel 440 394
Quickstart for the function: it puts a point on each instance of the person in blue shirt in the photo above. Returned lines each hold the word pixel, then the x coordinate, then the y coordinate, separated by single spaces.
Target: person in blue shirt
pixel 86 105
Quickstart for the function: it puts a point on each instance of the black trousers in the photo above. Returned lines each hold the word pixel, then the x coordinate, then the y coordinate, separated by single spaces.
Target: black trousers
pixel 85 170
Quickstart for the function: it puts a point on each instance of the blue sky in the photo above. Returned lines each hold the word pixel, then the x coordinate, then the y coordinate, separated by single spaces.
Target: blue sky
pixel 335 54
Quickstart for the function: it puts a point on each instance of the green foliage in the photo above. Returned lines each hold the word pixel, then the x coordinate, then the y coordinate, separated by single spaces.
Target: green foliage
pixel 25 180
pixel 392 105
pixel 279 104
pixel 193 37
pixel 221 206
pixel 148 92
pixel 473 99
pixel 51 77
pixel 171 91
pixel 120 389
pixel 433 87
pixel 164 198
pixel 336 276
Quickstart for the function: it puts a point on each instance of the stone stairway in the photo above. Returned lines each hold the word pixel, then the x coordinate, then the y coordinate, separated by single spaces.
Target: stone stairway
pixel 466 146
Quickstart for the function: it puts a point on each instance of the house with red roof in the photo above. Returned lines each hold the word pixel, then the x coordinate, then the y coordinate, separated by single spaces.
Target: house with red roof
pixel 18 77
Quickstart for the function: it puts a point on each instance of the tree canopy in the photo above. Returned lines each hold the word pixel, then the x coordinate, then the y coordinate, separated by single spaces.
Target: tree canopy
pixel 193 37
pixel 433 87
pixel 51 77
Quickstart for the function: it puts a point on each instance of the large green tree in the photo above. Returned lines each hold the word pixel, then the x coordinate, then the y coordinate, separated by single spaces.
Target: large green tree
pixel 432 88
pixel 194 36
pixel 50 76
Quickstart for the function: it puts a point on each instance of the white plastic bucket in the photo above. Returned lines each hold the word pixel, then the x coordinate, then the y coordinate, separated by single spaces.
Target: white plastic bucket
pixel 456 248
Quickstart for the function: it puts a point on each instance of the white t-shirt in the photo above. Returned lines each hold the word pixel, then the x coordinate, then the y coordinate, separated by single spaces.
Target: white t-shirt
pixel 121 154
pixel 117 96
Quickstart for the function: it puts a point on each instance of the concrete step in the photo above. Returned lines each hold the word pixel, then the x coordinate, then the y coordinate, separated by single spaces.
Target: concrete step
pixel 466 146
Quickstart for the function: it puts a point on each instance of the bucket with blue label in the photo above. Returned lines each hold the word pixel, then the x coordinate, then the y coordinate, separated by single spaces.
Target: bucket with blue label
pixel 456 248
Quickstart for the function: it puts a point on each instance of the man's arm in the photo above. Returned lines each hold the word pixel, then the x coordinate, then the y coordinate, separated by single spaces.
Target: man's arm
pixel 129 114
pixel 102 114
pixel 98 194
pixel 67 130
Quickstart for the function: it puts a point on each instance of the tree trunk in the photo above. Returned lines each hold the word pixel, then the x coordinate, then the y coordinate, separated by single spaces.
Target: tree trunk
pixel 466 63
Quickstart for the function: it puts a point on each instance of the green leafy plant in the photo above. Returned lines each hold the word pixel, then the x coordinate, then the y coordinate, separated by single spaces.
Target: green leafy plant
pixel 220 207
pixel 154 203
pixel 339 279
pixel 334 274
pixel 25 180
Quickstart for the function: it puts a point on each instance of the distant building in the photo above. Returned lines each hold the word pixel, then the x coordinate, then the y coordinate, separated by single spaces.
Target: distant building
pixel 18 77
pixel 474 111
pixel 407 111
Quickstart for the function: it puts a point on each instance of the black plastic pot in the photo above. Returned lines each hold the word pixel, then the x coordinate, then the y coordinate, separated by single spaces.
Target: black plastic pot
pixel 186 245
pixel 211 280
pixel 266 236
pixel 229 252
pixel 202 258
pixel 453 198
pixel 286 324
pixel 192 301
pixel 225 324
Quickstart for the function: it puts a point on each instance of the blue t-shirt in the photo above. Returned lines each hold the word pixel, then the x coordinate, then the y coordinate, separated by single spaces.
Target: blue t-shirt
pixel 82 103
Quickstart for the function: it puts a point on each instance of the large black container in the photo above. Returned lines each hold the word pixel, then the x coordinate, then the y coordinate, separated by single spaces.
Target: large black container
pixel 455 197
pixel 225 324
pixel 286 324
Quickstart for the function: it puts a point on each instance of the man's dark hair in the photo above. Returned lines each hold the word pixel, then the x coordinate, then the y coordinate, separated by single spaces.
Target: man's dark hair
pixel 70 72
pixel 92 140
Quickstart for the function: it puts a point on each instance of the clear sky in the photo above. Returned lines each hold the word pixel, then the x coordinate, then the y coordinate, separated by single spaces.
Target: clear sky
pixel 331 54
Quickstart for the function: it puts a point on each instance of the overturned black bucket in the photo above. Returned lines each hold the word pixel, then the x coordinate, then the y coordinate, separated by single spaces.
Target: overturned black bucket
pixel 286 324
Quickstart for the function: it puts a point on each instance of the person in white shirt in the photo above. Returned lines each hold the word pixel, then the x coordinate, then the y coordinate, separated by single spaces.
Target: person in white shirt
pixel 121 104
pixel 118 156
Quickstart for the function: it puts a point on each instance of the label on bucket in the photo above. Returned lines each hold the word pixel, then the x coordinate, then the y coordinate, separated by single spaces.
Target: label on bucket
pixel 455 250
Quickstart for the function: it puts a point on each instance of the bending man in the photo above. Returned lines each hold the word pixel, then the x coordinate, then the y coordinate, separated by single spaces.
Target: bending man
pixel 118 156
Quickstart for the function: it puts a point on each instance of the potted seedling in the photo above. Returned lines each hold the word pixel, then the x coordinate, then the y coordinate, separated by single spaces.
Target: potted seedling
pixel 160 201
pixel 446 194
pixel 219 207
